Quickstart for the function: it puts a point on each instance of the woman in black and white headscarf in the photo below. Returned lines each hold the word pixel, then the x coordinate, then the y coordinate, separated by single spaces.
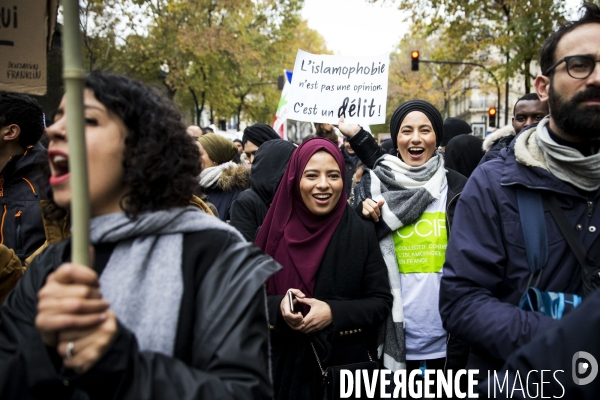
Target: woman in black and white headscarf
pixel 410 196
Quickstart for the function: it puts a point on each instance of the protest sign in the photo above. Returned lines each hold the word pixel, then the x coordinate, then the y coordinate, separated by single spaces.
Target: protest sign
pixel 325 88
pixel 24 28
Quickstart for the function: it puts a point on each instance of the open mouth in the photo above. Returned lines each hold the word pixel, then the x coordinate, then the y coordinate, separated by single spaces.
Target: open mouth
pixel 416 151
pixel 60 166
pixel 322 196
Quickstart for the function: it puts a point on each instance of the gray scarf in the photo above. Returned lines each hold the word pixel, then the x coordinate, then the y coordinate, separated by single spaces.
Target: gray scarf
pixel 143 278
pixel 535 148
pixel 407 190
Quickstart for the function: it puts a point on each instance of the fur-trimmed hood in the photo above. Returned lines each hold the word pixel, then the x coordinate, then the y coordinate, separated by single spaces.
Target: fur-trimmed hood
pixel 236 176
pixel 500 133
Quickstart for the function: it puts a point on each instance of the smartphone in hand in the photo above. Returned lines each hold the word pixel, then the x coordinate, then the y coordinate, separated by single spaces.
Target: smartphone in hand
pixel 291 298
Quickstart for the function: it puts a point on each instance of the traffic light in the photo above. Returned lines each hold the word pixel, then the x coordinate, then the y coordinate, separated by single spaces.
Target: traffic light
pixel 492 116
pixel 414 55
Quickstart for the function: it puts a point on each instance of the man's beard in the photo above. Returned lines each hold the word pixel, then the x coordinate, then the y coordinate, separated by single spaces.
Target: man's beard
pixel 574 118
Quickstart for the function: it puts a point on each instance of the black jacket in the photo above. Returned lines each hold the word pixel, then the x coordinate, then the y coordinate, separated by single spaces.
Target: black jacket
pixel 350 169
pixel 247 213
pixel 23 180
pixel 353 280
pixel 221 346
pixel 366 148
pixel 249 209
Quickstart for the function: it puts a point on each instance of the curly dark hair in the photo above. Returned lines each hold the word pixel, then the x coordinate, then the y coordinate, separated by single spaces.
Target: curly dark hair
pixel 24 111
pixel 161 160
pixel 590 15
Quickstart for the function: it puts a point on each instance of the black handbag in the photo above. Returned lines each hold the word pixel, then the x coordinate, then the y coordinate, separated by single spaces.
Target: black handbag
pixel 331 376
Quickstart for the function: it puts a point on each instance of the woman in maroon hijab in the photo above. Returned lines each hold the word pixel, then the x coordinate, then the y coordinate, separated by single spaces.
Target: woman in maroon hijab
pixel 331 264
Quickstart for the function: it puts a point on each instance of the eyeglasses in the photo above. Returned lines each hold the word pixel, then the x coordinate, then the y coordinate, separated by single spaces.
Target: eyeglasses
pixel 578 67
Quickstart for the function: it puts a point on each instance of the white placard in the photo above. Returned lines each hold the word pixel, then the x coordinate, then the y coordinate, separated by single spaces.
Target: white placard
pixel 325 87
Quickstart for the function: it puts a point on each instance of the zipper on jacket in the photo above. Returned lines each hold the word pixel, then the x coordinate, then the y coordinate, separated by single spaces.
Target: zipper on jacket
pixel 31 186
pixel 18 229
pixel 2 225
pixel 590 208
pixel 2 185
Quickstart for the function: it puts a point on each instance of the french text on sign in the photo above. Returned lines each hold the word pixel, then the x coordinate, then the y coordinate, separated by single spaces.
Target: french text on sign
pixel 326 87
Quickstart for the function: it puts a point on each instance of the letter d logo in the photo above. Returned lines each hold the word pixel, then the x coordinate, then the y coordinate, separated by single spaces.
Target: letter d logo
pixel 582 367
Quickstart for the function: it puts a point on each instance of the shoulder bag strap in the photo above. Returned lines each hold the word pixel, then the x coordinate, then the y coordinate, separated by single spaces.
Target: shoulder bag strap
pixel 533 224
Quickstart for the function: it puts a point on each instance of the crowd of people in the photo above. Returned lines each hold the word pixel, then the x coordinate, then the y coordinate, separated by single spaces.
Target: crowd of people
pixel 256 268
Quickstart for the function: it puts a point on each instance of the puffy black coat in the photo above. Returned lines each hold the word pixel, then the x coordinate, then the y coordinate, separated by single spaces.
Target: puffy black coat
pixel 221 346
pixel 232 182
pixel 23 180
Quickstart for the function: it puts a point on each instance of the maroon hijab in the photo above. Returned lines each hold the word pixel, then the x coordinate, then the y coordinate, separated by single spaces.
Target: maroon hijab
pixel 291 234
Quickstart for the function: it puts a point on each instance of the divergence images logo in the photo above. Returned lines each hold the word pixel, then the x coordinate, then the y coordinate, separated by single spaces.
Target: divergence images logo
pixel 581 367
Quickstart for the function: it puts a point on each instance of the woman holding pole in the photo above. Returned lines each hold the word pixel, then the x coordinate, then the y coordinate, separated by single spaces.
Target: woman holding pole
pixel 174 306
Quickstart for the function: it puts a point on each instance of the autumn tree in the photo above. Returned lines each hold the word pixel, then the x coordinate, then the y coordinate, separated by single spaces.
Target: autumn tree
pixel 225 54
pixel 516 28
pixel 436 83
pixel 98 22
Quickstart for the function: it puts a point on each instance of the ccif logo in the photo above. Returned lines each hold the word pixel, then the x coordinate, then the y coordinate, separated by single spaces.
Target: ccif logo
pixel 584 364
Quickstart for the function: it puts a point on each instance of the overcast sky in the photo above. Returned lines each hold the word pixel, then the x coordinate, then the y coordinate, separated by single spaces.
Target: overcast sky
pixel 358 28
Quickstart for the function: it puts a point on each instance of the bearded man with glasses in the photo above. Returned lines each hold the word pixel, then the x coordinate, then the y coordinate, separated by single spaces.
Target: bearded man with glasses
pixel 487 271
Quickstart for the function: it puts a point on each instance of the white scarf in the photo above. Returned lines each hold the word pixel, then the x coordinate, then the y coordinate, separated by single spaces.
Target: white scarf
pixel 211 175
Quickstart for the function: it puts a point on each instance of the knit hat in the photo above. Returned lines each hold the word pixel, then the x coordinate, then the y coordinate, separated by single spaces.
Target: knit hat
pixel 258 134
pixel 417 105
pixel 218 148
pixel 454 127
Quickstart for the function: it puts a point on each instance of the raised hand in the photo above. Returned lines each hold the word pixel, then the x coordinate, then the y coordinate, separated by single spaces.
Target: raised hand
pixel 348 130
